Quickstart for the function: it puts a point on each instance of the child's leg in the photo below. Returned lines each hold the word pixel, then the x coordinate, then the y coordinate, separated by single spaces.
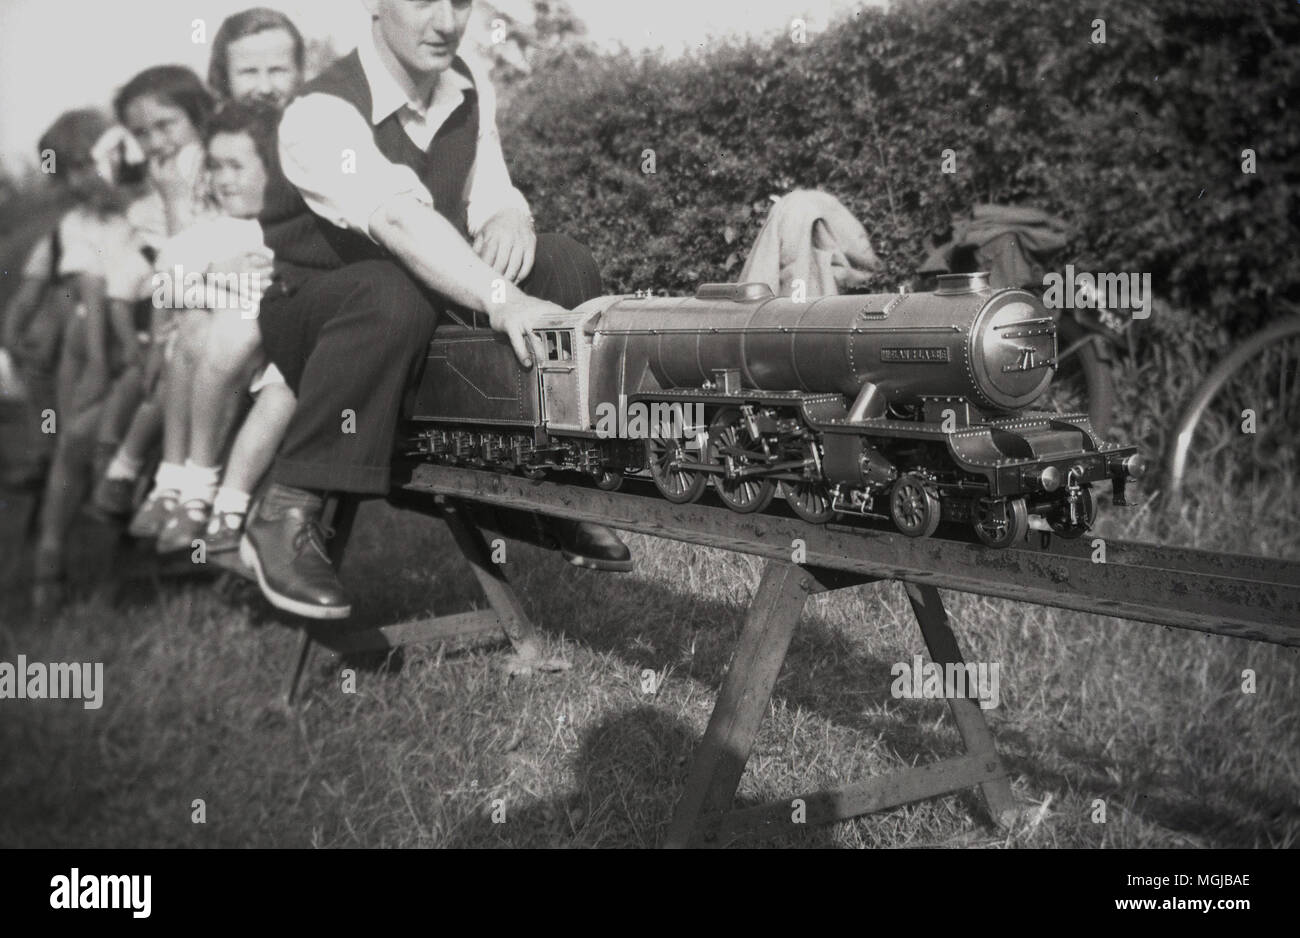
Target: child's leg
pixel 124 397
pixel 140 438
pixel 219 383
pixel 259 438
pixel 115 489
pixel 142 435
pixel 218 344
pixel 72 363
pixel 65 489
pixel 123 400
pixel 176 378
pixel 178 370
pixel 250 457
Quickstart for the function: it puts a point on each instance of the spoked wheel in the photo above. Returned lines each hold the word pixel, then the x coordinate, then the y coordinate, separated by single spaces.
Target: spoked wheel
pixel 1088 512
pixel 914 507
pixel 728 436
pixel 609 480
pixel 674 483
pixel 1001 522
pixel 1239 427
pixel 811 501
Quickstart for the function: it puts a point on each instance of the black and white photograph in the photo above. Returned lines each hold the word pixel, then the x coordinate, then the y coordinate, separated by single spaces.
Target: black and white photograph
pixel 578 424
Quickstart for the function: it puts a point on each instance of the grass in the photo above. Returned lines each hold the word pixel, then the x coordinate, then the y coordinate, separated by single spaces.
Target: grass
pixel 1150 722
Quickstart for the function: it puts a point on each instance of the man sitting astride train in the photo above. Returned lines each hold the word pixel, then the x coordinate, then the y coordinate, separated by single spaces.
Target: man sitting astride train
pixel 403 206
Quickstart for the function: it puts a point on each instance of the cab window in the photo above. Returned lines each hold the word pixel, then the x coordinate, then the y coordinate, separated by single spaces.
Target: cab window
pixel 559 345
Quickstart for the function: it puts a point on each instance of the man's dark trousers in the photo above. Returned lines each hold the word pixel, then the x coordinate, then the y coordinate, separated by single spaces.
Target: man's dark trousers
pixel 351 341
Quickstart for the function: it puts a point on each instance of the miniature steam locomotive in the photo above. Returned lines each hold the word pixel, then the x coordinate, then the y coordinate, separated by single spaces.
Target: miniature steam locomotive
pixel 910 406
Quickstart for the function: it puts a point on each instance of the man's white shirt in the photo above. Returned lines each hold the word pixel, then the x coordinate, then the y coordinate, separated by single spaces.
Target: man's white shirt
pixel 328 151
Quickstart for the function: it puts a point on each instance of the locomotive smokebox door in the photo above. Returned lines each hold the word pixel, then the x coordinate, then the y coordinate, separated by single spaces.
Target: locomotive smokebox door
pixel 561 390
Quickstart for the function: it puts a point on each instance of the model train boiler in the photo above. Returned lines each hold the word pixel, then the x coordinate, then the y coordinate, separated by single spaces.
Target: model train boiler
pixel 908 405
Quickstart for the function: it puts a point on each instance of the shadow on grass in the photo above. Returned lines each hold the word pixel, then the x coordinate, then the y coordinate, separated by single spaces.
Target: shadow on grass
pixel 642 625
pixel 649 626
pixel 632 765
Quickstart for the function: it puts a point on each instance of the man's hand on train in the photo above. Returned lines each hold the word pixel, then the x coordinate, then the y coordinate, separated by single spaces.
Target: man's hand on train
pixel 517 318
pixel 508 244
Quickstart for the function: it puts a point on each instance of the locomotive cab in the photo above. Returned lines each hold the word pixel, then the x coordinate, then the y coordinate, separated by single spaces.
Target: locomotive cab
pixel 563 364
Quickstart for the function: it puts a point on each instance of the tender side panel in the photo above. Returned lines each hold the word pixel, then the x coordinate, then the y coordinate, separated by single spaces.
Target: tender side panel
pixel 472 375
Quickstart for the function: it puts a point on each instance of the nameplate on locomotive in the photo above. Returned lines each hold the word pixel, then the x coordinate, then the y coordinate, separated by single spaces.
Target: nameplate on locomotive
pixel 914 354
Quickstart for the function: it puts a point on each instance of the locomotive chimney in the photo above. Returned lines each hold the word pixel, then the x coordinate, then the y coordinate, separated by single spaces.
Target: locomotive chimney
pixel 958 284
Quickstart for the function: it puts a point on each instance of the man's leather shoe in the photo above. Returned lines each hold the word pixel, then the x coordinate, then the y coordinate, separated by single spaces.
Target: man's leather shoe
pixel 593 546
pixel 284 545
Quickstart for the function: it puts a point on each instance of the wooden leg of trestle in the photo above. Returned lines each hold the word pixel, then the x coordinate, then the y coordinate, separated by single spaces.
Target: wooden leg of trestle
pixel 720 759
pixel 974 729
pixel 492 580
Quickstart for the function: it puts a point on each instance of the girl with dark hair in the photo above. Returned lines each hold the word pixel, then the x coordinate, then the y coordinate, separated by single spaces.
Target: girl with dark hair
pixel 167 110
pixel 243 164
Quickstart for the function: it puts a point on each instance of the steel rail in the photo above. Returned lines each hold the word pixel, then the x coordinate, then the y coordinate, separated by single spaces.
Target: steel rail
pixel 1236 595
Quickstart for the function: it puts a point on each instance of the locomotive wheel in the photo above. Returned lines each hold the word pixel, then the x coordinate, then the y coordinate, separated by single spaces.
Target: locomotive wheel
pixel 609 480
pixel 1001 522
pixel 811 501
pixel 914 508
pixel 679 486
pixel 1071 531
pixel 728 432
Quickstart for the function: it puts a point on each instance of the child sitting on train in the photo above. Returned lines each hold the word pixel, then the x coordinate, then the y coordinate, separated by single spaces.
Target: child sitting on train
pixel 166 109
pixel 230 252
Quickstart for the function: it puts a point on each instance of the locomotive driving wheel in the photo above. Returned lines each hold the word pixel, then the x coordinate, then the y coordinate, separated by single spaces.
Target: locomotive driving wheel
pixel 913 506
pixel 676 484
pixel 811 501
pixel 1001 522
pixel 730 443
pixel 1087 515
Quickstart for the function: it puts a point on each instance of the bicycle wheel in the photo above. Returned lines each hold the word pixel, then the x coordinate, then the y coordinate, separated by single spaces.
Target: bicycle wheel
pixel 1245 417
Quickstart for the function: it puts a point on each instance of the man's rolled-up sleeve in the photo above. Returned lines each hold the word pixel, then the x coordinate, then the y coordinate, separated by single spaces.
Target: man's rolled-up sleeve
pixel 490 189
pixel 328 153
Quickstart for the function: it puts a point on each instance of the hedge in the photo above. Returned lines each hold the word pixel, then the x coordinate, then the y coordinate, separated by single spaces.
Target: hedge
pixel 1136 141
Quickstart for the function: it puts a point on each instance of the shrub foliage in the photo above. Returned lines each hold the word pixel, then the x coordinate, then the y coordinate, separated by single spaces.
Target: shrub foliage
pixel 1137 141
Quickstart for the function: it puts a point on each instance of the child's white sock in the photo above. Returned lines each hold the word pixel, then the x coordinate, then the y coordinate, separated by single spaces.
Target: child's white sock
pixel 230 501
pixel 199 483
pixel 167 480
pixel 124 466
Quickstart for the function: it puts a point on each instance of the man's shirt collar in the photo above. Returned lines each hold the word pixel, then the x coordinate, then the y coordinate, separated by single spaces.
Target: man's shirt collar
pixel 390 93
